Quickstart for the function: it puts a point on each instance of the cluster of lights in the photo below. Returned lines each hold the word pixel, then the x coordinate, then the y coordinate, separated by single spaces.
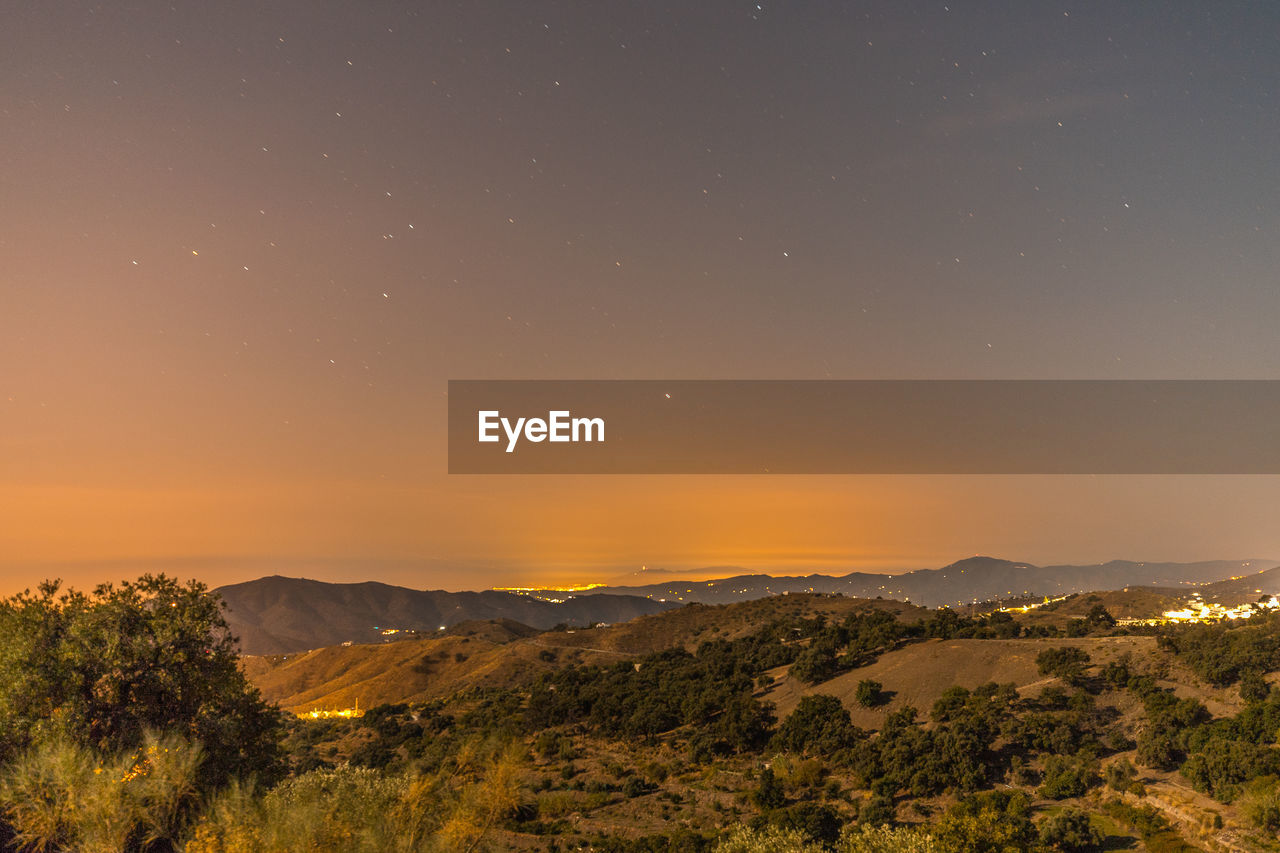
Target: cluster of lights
pixel 341 714
pixel 547 593
pixel 1198 611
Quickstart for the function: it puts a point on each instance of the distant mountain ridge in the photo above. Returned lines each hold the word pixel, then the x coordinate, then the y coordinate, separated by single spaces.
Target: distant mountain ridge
pixel 275 615
pixel 973 579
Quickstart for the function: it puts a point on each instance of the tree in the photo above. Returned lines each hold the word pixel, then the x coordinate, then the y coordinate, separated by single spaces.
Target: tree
pixel 991 822
pixel 769 794
pixel 1066 662
pixel 148 655
pixel 816 663
pixel 870 693
pixel 1253 687
pixel 1070 831
pixel 819 725
pixel 1099 617
pixel 1064 777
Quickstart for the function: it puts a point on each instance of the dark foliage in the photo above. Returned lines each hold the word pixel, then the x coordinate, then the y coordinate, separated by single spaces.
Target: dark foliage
pixel 148 654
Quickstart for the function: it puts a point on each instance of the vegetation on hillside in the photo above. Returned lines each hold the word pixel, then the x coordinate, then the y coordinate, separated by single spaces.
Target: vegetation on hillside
pixel 125 725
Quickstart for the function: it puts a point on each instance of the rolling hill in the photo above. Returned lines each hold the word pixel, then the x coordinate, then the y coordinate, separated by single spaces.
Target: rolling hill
pixel 275 615
pixel 502 654
pixel 1243 588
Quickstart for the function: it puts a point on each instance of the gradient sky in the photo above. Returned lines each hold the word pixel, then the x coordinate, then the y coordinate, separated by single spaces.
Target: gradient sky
pixel 243 245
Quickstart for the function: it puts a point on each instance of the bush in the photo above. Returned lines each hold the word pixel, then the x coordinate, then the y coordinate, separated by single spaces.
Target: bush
pixel 769 839
pixel 814 821
pixel 870 693
pixel 1260 804
pixel 819 725
pixel 1120 774
pixel 1064 777
pixel 634 787
pixel 360 810
pixel 884 839
pixel 1066 662
pixel 1070 830
pixel 58 794
pixel 1253 687
pixel 991 822
pixel 877 811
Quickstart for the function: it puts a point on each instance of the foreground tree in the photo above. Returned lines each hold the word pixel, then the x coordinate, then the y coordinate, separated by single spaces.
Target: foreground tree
pixel 152 655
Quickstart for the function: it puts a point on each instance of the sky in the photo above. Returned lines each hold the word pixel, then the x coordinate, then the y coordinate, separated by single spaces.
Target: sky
pixel 245 245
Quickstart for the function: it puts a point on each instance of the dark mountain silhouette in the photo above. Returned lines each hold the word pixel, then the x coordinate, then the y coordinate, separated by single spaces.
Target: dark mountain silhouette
pixel 275 615
pixel 962 582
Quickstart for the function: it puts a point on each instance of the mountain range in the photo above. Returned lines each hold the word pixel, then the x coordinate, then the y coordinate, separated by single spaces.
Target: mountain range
pixel 276 615
pixel 974 579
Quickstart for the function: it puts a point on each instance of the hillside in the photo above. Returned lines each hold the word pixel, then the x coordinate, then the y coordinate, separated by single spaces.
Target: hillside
pixel 918 673
pixel 276 615
pixel 612 749
pixel 503 653
pixel 965 581
pixel 1244 588
pixel 498 655
pixel 414 670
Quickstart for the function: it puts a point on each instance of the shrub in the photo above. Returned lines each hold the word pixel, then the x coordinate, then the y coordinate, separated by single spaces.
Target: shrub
pixel 360 810
pixel 1064 777
pixel 1120 774
pixel 1260 804
pixel 1253 687
pixel 634 787
pixel 877 811
pixel 870 693
pixel 1066 662
pixel 58 794
pixel 1070 830
pixel 819 725
pixel 991 822
pixel 884 839
pixel 769 839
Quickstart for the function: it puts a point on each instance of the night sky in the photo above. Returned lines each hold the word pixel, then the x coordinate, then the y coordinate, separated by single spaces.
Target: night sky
pixel 244 245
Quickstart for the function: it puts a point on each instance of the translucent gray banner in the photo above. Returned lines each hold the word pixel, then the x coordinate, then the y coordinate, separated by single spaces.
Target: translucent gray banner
pixel 864 427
